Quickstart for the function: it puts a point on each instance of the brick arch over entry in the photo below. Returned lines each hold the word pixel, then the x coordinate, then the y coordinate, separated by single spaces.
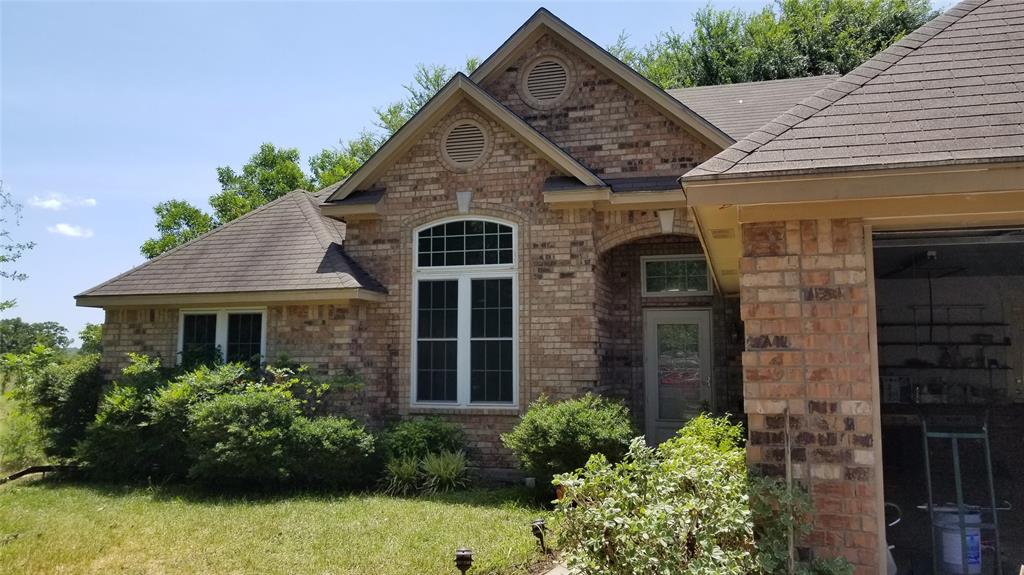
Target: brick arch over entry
pixel 615 228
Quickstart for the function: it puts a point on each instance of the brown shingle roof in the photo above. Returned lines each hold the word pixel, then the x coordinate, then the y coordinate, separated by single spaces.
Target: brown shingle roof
pixel 283 245
pixel 740 109
pixel 951 92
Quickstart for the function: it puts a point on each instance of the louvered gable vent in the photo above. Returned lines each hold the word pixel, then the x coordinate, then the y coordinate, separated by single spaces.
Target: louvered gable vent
pixel 465 144
pixel 546 81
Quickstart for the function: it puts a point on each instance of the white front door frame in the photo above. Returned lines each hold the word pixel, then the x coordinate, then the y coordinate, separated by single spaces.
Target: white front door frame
pixel 654 426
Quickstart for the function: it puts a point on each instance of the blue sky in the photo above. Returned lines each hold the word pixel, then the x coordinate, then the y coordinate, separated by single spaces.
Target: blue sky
pixel 109 108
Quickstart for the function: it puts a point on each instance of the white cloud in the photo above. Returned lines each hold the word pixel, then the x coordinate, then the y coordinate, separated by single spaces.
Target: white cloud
pixel 56 202
pixel 70 231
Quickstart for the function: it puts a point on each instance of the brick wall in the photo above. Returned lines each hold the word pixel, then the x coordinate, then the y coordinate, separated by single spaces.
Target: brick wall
pixel 150 331
pixel 804 302
pixel 608 128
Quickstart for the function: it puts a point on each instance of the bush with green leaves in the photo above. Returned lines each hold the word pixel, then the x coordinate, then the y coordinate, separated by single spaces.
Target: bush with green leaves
pixel 416 438
pixel 560 437
pixel 444 472
pixel 685 507
pixel 333 452
pixel 243 439
pixel 21 439
pixel 60 393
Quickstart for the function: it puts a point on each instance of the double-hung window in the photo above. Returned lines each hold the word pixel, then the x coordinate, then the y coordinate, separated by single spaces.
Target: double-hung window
pixel 231 335
pixel 465 312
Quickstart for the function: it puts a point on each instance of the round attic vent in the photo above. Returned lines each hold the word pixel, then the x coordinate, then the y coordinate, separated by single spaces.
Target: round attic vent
pixel 464 145
pixel 546 82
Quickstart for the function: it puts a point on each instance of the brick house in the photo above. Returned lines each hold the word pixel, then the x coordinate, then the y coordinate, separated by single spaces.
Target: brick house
pixel 527 233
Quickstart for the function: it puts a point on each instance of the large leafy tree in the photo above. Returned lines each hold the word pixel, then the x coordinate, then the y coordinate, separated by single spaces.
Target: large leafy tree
pixel 790 38
pixel 19 336
pixel 270 173
pixel 11 250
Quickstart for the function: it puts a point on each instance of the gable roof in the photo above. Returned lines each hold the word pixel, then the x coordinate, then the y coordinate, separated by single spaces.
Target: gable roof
pixel 544 21
pixel 740 109
pixel 951 92
pixel 458 88
pixel 283 245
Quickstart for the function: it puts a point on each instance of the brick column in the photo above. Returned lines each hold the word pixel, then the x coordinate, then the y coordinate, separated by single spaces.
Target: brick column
pixel 804 302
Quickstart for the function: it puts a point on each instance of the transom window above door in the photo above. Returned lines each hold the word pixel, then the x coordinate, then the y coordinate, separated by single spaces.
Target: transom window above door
pixel 677 275
pixel 465 315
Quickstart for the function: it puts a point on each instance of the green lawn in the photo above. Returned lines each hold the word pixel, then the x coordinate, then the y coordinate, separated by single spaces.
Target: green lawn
pixel 62 528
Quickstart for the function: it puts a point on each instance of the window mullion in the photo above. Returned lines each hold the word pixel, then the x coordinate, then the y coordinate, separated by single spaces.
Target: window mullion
pixel 465 326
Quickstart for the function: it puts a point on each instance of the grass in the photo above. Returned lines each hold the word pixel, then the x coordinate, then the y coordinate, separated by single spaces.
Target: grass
pixel 61 528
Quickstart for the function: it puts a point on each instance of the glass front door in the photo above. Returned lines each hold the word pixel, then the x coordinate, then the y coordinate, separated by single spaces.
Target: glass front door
pixel 677 369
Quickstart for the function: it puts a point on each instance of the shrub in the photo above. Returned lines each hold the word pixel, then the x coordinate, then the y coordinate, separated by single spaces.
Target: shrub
pixel 559 437
pixel 242 438
pixel 687 506
pixel 61 393
pixel 416 438
pixel 333 452
pixel 401 476
pixel 443 472
pixel 119 444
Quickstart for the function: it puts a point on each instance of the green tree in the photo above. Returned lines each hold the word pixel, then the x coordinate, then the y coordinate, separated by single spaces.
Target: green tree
pixel 270 173
pixel 790 38
pixel 10 250
pixel 19 336
pixel 91 337
pixel 177 222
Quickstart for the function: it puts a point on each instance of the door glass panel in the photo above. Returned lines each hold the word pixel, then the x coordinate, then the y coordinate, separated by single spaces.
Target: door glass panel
pixel 679 371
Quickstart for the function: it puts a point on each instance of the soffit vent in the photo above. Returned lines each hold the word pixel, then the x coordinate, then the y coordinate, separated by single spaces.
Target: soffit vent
pixel 464 145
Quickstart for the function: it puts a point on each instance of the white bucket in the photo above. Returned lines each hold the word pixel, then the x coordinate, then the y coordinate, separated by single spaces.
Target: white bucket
pixel 951 543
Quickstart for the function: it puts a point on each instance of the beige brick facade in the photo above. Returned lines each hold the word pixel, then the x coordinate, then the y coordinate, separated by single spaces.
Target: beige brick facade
pixel 808 358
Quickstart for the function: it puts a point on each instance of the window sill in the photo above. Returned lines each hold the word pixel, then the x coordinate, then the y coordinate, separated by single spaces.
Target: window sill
pixel 463 410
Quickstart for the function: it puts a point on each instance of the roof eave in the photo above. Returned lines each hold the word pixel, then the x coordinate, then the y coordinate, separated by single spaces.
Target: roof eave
pixel 338 295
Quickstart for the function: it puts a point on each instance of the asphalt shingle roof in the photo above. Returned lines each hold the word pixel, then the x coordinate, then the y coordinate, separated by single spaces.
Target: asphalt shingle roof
pixel 951 92
pixel 740 109
pixel 283 245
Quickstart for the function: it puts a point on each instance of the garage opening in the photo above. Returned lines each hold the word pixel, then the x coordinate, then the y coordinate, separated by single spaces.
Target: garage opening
pixel 950 313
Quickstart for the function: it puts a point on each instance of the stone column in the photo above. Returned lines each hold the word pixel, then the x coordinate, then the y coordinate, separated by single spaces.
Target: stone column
pixel 805 306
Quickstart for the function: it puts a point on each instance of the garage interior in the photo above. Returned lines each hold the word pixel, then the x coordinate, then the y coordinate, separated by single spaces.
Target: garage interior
pixel 950 334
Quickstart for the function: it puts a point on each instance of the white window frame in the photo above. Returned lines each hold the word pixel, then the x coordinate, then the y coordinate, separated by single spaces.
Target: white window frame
pixel 669 258
pixel 465 275
pixel 221 333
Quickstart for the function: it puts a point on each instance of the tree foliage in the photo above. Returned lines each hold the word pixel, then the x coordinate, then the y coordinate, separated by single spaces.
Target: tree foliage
pixel 19 336
pixel 270 173
pixel 10 249
pixel 790 38
pixel 177 222
pixel 91 338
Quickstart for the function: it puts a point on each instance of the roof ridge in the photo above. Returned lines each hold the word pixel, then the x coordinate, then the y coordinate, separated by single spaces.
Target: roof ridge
pixel 316 223
pixel 218 228
pixel 751 82
pixel 837 90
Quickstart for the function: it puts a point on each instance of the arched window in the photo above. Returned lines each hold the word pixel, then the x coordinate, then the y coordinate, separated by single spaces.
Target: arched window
pixel 465 317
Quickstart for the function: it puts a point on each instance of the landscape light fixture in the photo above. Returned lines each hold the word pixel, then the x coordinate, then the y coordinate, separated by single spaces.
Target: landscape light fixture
pixel 538 529
pixel 463 559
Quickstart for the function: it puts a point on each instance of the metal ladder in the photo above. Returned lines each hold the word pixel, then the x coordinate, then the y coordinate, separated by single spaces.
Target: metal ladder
pixel 956 434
